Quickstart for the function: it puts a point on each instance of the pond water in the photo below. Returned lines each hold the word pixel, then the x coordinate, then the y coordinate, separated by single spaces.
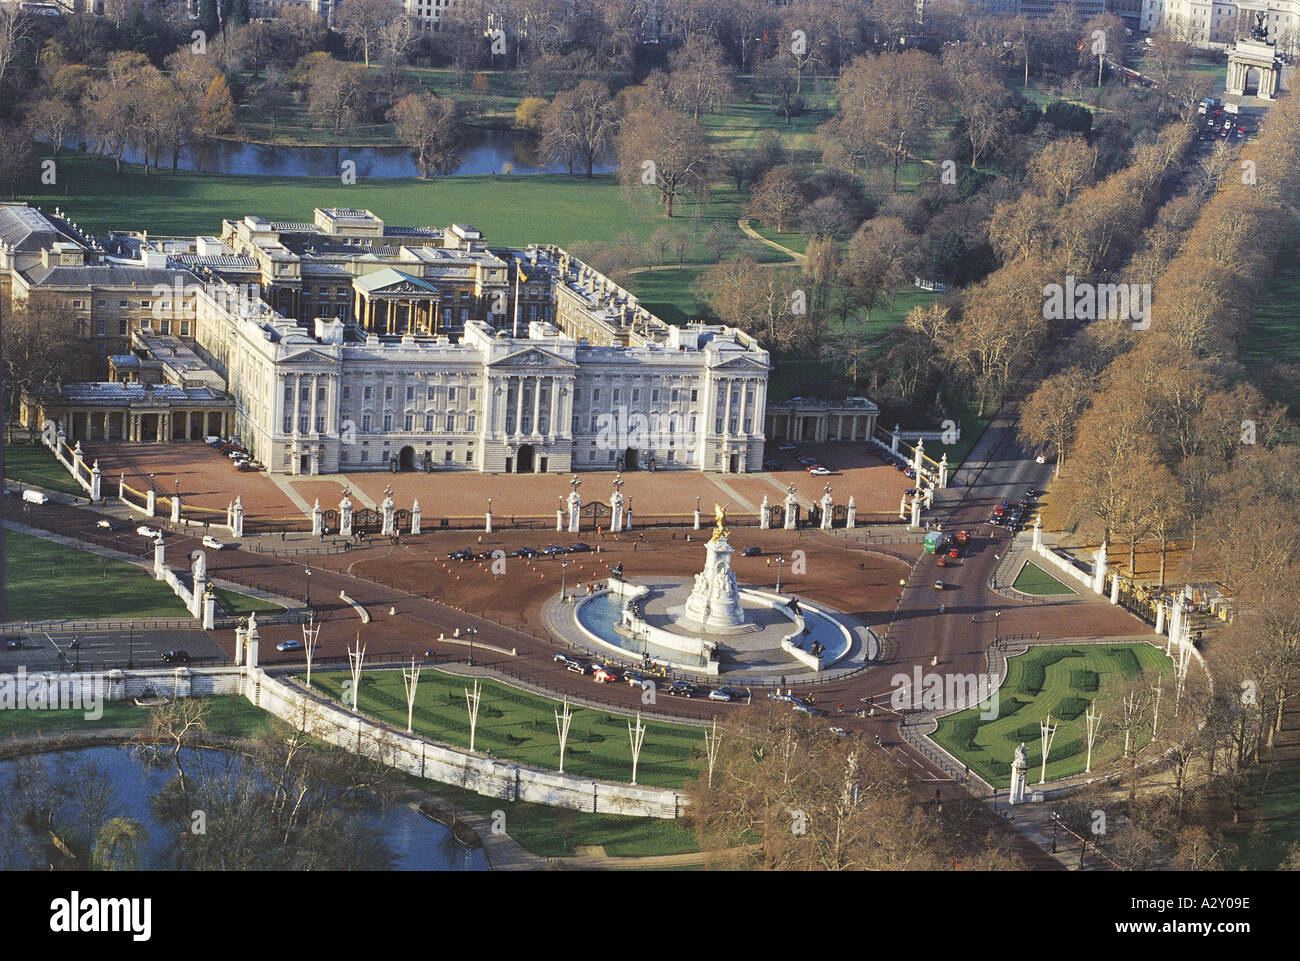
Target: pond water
pixel 417 843
pixel 486 151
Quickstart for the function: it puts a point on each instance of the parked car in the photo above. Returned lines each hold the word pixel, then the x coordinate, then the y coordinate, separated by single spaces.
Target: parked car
pixel 176 656
pixel 683 689
pixel 36 497
pixel 553 549
pixel 461 555
pixel 212 542
pixel 579 548
pixel 751 552
pixel 819 471
pixel 577 667
pixel 940 586
pixel 293 644
pixel 144 530
pixel 523 552
pixel 14 644
pixel 106 524
pixel 246 465
pixel 639 680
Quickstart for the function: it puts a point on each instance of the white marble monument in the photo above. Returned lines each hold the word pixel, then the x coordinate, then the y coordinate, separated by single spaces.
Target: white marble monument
pixel 714 604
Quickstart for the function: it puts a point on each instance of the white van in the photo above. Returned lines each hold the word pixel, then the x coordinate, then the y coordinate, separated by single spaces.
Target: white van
pixel 36 497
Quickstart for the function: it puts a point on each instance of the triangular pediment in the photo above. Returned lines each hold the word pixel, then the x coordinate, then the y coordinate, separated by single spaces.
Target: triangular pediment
pixel 532 357
pixel 741 363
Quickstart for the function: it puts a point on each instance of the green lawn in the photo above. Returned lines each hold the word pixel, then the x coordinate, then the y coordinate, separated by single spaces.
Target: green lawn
pixel 537 827
pixel 1277 792
pixel 226 715
pixel 1270 347
pixel 1032 579
pixel 45 581
pixel 237 604
pixel 668 293
pixel 520 726
pixel 34 464
pixel 1061 680
pixel 558 209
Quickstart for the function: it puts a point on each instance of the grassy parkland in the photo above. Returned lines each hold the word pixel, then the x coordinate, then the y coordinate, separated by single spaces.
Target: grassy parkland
pixel 518 726
pixel 48 581
pixel 1032 579
pixel 34 464
pixel 230 716
pixel 1061 680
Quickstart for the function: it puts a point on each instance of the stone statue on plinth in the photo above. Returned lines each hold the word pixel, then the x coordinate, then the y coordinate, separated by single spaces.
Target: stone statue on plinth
pixel 714 604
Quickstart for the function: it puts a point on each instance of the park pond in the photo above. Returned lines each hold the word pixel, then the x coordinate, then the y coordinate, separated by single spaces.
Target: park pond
pixel 416 842
pixel 486 151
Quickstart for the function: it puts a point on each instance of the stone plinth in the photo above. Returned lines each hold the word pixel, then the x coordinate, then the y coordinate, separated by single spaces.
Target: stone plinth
pixel 714 604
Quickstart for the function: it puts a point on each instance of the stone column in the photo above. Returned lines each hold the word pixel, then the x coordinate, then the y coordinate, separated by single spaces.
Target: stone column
pixel 159 559
pixel 487 522
pixel 1114 589
pixel 616 513
pixel 252 640
pixel 537 413
pixel 852 519
pixel 415 516
pixel 176 508
pixel 575 515
pixel 764 516
pixel 297 406
pixel 311 425
pixel 96 482
pixel 519 414
pixel 627 519
pixel 559 520
pixel 893 439
pixel 1038 534
pixel 209 611
pixel 150 502
pixel 1099 569
pixel 791 506
pixel 1160 618
pixel 317 519
pixel 345 516
pixel 902 508
pixel 827 504
pixel 237 519
pixel 239 646
pixel 943 471
pixel 389 510
pixel 697 519
pixel 916 512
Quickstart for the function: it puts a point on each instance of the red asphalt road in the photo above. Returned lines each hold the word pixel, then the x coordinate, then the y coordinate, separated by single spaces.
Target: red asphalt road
pixel 919 632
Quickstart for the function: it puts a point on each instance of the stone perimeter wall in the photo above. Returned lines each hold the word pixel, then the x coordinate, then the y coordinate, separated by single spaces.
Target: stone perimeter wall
pixel 490 777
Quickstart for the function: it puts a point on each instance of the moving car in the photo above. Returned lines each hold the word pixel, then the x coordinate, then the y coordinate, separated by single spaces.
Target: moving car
pixel 683 689
pixel 577 667
pixel 144 530
pixel 940 586
pixel 293 644
pixel 14 644
pixel 819 471
pixel 212 542
pixel 176 656
pixel 751 552
pixel 461 555
pixel 727 694
pixel 106 524
pixel 638 680
pixel 604 675
pixel 36 497
pixel 553 549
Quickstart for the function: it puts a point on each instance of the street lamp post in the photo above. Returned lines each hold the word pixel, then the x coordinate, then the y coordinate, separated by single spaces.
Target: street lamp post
pixel 564 565
pixel 780 559
pixel 309 588
pixel 997 635
pixel 130 648
pixel 1054 822
pixel 472 632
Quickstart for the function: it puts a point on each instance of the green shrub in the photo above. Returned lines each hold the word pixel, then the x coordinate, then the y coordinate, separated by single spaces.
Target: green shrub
pixel 1126 661
pixel 1084 680
pixel 1070 708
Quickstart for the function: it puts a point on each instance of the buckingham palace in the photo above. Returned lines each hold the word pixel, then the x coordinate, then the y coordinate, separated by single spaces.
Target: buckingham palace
pixel 346 344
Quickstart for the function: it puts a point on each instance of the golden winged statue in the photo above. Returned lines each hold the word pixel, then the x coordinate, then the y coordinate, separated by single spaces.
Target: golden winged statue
pixel 720 531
